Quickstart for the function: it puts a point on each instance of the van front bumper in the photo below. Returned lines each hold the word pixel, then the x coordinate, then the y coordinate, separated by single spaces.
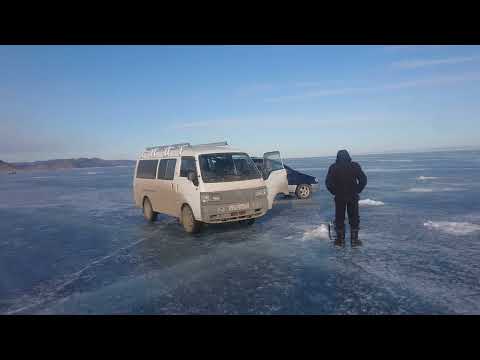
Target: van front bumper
pixel 235 216
pixel 219 212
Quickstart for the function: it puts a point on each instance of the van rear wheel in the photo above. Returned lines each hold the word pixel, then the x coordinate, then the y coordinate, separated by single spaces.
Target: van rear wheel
pixel 148 212
pixel 189 223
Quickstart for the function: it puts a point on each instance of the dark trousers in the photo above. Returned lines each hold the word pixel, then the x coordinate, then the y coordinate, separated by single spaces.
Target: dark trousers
pixel 352 209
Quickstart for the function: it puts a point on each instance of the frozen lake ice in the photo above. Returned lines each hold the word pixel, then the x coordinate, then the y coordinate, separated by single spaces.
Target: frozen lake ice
pixel 72 243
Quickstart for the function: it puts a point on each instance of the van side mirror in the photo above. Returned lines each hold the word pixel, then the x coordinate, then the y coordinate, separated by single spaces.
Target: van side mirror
pixel 265 175
pixel 192 176
pixel 265 171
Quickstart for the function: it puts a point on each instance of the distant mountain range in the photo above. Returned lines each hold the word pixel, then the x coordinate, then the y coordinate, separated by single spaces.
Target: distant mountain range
pixel 62 164
pixel 6 167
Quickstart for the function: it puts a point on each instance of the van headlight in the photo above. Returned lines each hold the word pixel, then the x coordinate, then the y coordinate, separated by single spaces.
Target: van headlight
pixel 207 197
pixel 316 180
pixel 260 192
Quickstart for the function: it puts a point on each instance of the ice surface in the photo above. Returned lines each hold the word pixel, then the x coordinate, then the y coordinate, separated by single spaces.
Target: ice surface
pixel 453 228
pixel 310 168
pixel 75 244
pixel 395 160
pixel 394 170
pixel 370 202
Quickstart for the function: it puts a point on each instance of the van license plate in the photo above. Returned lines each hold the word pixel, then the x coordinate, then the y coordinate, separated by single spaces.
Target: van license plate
pixel 237 207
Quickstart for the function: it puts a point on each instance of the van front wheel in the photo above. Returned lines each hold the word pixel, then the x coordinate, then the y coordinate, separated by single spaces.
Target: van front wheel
pixel 148 212
pixel 189 223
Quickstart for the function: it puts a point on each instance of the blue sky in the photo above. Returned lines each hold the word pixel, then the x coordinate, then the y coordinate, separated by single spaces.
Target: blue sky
pixel 112 101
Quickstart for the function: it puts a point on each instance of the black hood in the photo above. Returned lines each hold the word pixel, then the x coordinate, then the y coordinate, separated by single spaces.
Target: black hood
pixel 343 156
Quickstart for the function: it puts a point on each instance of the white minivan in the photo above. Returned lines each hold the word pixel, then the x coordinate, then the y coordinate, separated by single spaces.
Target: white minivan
pixel 208 183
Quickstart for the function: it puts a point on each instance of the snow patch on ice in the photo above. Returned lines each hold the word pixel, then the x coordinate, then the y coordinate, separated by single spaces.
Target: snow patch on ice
pixel 419 190
pixel 427 177
pixel 320 232
pixel 370 202
pixel 453 228
pixel 424 190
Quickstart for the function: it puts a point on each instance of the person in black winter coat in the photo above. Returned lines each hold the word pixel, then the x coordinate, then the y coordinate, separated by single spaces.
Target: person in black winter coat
pixel 346 180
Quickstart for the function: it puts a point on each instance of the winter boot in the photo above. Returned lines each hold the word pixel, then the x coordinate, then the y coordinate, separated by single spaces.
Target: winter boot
pixel 340 240
pixel 354 241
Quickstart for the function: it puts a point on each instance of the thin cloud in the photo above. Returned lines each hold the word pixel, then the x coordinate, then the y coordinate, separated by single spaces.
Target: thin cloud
pixel 26 143
pixel 318 93
pixel 205 124
pixel 441 80
pixel 22 140
pixel 192 125
pixel 398 47
pixel 452 79
pixel 287 122
pixel 394 48
pixel 413 64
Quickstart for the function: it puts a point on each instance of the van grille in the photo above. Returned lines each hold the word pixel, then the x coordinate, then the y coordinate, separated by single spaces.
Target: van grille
pixel 257 206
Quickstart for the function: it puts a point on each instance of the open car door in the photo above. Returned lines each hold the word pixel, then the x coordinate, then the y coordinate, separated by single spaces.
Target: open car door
pixel 274 175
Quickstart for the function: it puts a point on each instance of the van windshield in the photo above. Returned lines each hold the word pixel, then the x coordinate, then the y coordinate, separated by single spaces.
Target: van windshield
pixel 225 167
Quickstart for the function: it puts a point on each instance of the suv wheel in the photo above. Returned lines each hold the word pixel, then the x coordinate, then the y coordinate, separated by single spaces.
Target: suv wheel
pixel 304 191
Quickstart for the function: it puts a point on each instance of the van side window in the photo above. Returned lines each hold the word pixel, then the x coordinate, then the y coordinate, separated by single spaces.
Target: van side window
pixel 273 165
pixel 146 169
pixel 170 171
pixel 161 169
pixel 187 165
pixel 166 170
pixel 260 167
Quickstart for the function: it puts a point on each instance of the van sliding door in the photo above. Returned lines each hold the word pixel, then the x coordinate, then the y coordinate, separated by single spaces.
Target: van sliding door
pixel 165 180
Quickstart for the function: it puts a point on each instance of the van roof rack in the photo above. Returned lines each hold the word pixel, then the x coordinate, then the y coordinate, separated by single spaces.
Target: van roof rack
pixel 153 150
pixel 221 143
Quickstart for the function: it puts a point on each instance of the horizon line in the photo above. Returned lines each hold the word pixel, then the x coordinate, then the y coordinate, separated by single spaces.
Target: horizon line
pixel 385 152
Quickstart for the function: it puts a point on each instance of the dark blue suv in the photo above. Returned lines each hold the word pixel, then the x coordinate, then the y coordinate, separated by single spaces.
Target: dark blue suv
pixel 298 183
